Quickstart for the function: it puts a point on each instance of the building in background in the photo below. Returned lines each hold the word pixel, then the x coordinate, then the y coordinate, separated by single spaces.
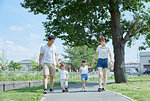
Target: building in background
pixel 132 68
pixel 144 61
pixel 26 65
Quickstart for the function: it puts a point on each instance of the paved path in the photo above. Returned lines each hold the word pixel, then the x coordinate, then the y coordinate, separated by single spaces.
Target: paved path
pixel 75 94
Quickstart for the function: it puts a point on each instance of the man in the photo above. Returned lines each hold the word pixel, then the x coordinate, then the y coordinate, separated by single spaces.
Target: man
pixel 49 58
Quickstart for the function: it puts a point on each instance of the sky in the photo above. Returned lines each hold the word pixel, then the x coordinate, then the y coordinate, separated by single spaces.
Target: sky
pixel 22 34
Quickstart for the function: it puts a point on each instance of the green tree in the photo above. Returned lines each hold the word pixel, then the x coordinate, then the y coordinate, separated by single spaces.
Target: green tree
pixel 81 22
pixel 14 65
pixel 3 60
pixel 76 54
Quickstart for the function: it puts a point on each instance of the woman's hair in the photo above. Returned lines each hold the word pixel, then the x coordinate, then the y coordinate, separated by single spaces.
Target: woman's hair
pixel 102 38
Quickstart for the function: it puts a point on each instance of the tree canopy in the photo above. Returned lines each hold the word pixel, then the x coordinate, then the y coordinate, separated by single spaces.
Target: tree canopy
pixel 81 22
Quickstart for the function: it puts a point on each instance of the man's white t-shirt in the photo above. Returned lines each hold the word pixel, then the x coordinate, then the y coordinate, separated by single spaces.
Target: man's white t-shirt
pixel 63 74
pixel 103 51
pixel 84 70
pixel 48 54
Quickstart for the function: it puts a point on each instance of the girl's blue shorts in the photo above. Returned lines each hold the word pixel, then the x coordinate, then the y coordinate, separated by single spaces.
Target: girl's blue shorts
pixel 84 76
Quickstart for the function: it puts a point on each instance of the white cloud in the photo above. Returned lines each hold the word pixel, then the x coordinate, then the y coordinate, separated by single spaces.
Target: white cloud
pixel 28 26
pixel 9 42
pixel 16 28
pixel 34 36
pixel 17 52
pixel 19 28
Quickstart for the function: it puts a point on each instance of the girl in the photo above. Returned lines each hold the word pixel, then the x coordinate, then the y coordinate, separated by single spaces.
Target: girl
pixel 84 73
pixel 63 77
pixel 103 50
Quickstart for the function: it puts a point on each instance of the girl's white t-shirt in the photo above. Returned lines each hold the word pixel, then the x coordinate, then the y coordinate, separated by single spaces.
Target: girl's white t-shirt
pixel 103 51
pixel 84 70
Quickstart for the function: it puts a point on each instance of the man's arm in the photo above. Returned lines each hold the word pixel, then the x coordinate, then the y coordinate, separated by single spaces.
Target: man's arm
pixel 56 58
pixel 40 59
pixel 67 77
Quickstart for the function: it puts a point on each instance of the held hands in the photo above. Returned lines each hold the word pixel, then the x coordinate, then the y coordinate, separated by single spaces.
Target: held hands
pixel 66 79
pixel 92 62
pixel 40 66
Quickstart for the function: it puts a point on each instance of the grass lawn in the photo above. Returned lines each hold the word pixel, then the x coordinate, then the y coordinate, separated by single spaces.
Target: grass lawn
pixel 138 88
pixel 26 94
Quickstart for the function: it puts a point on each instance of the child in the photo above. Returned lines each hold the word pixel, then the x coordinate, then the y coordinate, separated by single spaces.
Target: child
pixel 84 73
pixel 103 50
pixel 63 77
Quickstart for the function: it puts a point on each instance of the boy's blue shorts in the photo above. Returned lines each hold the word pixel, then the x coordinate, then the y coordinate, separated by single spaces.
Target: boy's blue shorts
pixel 102 63
pixel 84 76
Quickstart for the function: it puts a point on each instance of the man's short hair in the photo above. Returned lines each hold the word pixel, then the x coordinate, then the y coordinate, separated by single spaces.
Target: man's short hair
pixel 51 37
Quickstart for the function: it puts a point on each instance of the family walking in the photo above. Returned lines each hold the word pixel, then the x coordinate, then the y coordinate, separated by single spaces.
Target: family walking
pixel 48 58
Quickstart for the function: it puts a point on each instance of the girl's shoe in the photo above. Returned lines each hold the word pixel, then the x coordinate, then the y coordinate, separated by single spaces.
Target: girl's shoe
pixel 103 89
pixel 99 89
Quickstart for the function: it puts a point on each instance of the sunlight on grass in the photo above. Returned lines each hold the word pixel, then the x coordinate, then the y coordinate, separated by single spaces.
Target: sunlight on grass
pixel 137 88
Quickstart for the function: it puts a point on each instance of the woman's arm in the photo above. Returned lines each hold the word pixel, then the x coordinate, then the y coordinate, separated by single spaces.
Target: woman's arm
pixel 90 66
pixel 111 62
pixel 94 58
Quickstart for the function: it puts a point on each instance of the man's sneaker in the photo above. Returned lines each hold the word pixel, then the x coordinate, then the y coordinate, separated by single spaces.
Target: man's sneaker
pixel 66 89
pixel 63 91
pixel 99 89
pixel 103 89
pixel 45 91
pixel 51 90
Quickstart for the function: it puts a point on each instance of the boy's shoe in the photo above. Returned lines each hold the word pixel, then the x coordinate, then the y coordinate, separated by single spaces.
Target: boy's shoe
pixel 99 89
pixel 83 90
pixel 45 91
pixel 66 89
pixel 103 89
pixel 51 90
pixel 63 91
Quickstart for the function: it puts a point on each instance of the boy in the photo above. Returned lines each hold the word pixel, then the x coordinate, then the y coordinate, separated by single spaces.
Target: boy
pixel 84 73
pixel 103 50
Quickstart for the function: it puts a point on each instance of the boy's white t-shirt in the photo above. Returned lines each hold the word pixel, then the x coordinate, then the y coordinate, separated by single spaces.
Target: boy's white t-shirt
pixel 84 70
pixel 103 51
pixel 48 54
pixel 63 74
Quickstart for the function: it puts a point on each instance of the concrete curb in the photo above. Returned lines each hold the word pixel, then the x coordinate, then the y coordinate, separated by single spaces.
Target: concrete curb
pixel 122 95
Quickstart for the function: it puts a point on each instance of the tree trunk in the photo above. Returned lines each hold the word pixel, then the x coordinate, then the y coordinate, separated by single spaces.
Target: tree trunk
pixel 117 37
